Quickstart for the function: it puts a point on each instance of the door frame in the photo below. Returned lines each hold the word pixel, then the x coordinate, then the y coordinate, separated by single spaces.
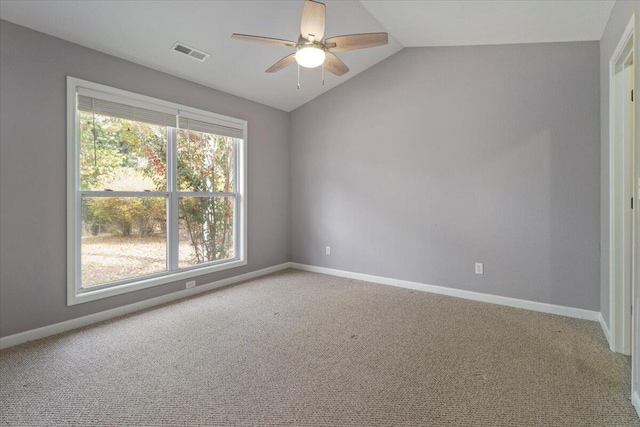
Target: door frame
pixel 622 184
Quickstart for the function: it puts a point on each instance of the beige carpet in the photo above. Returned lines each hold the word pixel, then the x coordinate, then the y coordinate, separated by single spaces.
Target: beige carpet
pixel 298 348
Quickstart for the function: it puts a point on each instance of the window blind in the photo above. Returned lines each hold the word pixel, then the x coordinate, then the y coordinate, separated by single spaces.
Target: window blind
pixel 131 109
pixel 123 111
pixel 188 123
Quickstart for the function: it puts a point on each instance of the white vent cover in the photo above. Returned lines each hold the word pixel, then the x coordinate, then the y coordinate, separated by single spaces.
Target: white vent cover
pixel 189 51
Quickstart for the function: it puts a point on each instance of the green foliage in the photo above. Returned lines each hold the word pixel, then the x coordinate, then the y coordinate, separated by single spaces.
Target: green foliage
pixel 124 215
pixel 209 225
pixel 205 163
pixel 109 147
pixel 122 155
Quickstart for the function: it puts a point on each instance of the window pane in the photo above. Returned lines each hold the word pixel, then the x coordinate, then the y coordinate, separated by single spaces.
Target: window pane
pixel 119 154
pixel 206 230
pixel 122 238
pixel 205 162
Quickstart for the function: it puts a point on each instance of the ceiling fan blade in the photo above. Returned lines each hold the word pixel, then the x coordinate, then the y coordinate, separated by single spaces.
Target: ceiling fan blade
pixel 313 18
pixel 287 60
pixel 356 41
pixel 334 65
pixel 267 40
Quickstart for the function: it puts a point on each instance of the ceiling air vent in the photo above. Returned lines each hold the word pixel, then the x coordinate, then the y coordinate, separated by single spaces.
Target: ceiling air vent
pixel 194 53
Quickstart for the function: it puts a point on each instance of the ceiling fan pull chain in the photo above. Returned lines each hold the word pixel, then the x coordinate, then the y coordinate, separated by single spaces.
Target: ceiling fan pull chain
pixel 312 49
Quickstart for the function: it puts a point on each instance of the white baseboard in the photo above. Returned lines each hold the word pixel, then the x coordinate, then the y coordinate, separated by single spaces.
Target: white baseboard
pixel 578 313
pixel 45 331
pixel 636 402
pixel 605 328
pixel 67 325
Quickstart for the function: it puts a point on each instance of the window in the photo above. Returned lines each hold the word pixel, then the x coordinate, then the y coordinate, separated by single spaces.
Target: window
pixel 156 192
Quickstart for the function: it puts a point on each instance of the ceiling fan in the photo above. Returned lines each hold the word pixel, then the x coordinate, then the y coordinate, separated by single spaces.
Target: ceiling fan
pixel 311 50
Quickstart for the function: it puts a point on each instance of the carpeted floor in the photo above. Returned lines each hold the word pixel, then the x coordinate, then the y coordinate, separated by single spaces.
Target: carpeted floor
pixel 298 348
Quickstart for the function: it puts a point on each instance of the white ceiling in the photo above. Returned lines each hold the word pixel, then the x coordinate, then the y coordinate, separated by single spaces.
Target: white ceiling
pixel 478 22
pixel 144 31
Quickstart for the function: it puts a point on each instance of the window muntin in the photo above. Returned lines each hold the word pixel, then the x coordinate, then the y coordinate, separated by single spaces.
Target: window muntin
pixel 158 196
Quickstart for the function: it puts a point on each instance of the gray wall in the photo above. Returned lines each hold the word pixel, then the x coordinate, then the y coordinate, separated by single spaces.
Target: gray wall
pixel 437 158
pixel 618 21
pixel 33 69
pixel 424 164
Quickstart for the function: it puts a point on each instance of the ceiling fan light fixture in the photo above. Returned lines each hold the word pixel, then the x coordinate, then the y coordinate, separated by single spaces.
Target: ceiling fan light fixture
pixel 312 49
pixel 310 56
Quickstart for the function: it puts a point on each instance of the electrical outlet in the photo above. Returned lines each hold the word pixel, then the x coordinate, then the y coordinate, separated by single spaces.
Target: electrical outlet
pixel 328 250
pixel 191 284
pixel 479 268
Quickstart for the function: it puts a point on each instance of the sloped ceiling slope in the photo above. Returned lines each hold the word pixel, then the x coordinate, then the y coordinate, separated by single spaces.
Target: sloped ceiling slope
pixel 144 32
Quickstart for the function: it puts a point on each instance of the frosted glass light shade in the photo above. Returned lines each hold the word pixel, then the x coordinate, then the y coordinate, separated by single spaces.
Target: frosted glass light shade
pixel 310 56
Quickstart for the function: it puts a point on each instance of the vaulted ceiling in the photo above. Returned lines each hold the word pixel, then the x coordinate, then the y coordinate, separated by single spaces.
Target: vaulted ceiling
pixel 144 32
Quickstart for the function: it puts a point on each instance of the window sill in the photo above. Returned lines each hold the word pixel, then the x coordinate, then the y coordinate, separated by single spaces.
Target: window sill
pixel 75 297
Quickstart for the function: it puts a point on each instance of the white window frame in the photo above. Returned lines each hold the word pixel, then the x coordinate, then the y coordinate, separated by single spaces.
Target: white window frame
pixel 75 295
